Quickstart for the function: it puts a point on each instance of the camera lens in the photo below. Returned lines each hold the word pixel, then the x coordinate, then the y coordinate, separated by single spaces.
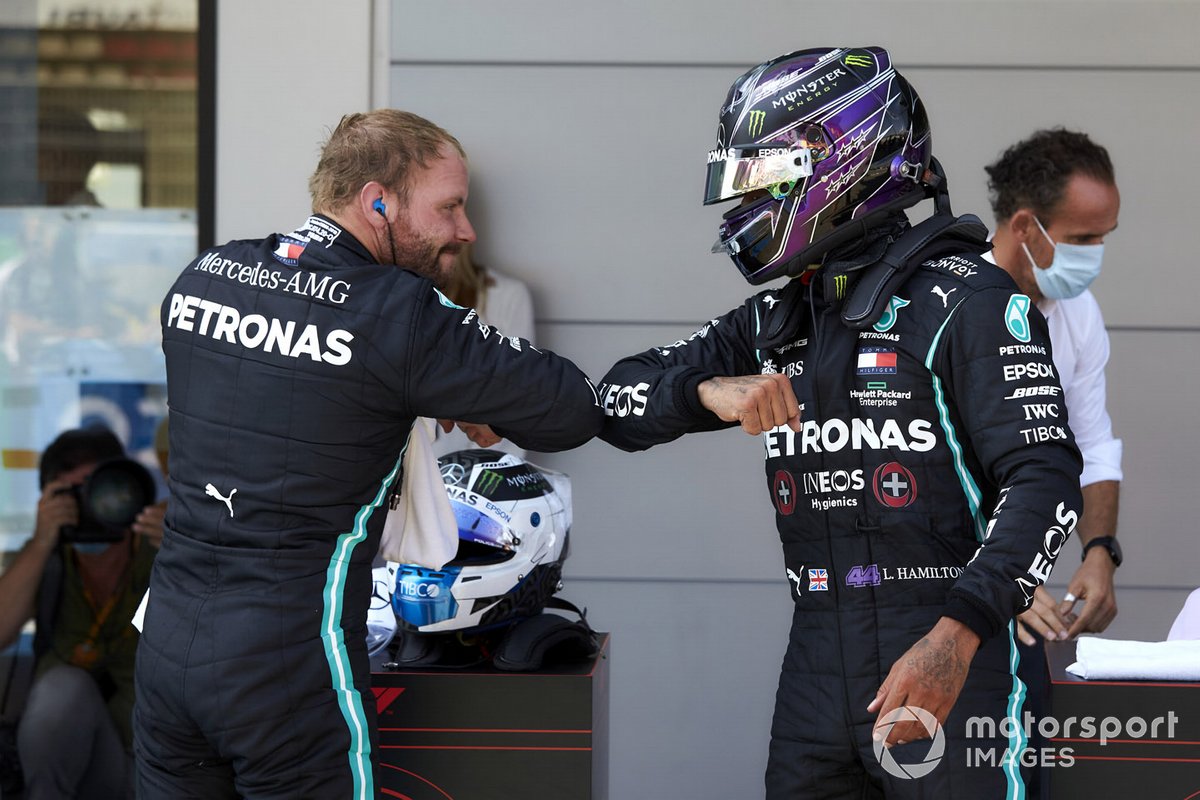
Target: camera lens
pixel 116 492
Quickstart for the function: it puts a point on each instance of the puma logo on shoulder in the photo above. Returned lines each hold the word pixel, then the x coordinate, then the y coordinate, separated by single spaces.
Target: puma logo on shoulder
pixel 943 294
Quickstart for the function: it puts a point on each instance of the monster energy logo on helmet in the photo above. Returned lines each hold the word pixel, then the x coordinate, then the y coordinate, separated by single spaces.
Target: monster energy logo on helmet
pixel 754 125
pixel 510 483
pixel 487 481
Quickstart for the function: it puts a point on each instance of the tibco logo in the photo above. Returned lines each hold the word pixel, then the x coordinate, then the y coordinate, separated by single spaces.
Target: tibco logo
pixel 430 590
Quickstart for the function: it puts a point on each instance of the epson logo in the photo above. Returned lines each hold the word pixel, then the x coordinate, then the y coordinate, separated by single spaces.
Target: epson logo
pixel 859 434
pixel 1032 369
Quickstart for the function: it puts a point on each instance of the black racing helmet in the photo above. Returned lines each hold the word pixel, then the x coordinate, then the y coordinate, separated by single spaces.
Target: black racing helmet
pixel 817 144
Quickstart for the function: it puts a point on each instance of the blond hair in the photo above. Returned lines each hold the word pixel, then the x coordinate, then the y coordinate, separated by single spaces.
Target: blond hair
pixel 469 281
pixel 381 145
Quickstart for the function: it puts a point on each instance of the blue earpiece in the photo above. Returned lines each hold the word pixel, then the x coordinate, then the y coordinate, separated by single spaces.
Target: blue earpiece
pixel 379 207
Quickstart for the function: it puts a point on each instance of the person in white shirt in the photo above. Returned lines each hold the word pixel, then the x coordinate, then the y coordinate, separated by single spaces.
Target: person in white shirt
pixel 1055 200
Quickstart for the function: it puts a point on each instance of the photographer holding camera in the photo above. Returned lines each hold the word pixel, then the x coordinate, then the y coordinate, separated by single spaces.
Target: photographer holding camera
pixel 82 574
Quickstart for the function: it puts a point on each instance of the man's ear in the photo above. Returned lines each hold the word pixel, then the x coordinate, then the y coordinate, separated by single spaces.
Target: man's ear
pixel 373 203
pixel 1022 225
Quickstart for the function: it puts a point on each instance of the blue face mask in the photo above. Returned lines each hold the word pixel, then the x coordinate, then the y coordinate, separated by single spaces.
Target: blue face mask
pixel 1072 270
pixel 91 548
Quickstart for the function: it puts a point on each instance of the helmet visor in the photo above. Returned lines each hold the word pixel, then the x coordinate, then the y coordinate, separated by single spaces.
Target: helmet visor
pixel 476 526
pixel 735 171
pixel 734 240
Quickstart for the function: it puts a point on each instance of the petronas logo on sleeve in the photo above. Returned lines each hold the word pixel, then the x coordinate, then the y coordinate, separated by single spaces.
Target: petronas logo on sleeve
pixel 1016 317
pixel 446 301
pixel 754 124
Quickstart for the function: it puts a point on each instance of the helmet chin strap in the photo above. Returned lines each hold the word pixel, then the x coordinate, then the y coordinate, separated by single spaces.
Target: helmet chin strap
pixel 934 180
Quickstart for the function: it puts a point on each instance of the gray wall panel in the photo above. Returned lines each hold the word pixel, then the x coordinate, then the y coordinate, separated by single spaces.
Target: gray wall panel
pixel 276 101
pixel 710 31
pixel 1153 383
pixel 694 668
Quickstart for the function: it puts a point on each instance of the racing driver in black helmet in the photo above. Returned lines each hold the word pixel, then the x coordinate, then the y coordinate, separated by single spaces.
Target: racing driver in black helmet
pixel 917 450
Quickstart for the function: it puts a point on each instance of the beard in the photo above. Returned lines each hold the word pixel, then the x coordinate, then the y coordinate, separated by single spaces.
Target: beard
pixel 419 254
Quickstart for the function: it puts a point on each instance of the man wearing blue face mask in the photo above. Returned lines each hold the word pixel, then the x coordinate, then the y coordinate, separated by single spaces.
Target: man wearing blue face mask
pixel 1055 200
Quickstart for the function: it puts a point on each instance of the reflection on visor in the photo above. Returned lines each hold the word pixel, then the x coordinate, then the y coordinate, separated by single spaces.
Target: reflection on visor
pixel 475 526
pixel 737 171
pixel 758 228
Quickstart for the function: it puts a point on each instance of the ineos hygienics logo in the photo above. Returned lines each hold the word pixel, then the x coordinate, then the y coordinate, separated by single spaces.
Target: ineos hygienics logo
pixel 936 750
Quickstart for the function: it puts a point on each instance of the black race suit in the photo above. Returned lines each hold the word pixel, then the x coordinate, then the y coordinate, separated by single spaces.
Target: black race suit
pixel 935 475
pixel 295 368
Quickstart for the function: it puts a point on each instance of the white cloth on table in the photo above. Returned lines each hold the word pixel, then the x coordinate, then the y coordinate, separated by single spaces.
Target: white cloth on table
pixel 1116 659
pixel 422 529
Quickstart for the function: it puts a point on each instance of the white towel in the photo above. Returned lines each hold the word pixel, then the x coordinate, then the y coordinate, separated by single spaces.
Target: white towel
pixel 422 529
pixel 1113 659
pixel 1187 624
pixel 139 616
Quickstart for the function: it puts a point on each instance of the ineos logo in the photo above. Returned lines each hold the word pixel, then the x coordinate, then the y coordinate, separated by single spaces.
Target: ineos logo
pixel 623 401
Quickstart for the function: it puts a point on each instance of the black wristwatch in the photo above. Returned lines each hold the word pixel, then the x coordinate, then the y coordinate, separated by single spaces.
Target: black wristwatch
pixel 1109 543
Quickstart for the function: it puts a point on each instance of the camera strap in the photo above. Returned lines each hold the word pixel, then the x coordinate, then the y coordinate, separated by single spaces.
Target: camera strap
pixel 85 653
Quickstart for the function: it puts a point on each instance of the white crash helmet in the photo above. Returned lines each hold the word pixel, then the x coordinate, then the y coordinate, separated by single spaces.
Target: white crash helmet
pixel 513 522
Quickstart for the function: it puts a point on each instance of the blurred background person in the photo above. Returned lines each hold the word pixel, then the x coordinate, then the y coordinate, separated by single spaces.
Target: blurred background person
pixel 74 735
pixel 502 302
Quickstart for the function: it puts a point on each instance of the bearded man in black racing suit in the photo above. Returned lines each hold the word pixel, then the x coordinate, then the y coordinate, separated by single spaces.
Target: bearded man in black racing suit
pixel 917 451
pixel 296 366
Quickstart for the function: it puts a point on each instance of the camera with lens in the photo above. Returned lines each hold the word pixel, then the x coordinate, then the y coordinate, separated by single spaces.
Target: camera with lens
pixel 109 501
